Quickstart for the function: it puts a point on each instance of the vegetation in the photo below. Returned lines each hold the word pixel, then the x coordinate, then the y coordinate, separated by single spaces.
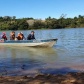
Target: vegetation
pixel 12 23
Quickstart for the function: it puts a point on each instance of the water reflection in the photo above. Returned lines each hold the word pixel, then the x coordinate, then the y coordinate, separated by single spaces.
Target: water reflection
pixel 34 53
pixel 25 59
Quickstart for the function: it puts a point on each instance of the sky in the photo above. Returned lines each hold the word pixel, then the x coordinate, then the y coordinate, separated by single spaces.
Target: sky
pixel 41 8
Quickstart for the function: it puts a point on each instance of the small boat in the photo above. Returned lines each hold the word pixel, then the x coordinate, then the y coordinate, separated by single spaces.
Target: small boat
pixel 29 43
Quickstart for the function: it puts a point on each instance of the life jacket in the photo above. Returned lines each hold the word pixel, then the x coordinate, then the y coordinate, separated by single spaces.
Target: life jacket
pixel 4 37
pixel 18 38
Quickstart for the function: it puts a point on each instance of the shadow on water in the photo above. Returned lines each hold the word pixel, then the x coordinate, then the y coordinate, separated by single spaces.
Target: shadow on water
pixel 51 71
pixel 54 71
pixel 17 66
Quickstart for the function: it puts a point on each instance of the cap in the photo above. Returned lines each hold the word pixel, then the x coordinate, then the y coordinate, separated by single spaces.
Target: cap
pixel 32 31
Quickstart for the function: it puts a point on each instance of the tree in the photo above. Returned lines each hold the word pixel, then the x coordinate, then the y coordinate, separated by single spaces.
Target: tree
pixel 14 17
pixel 38 24
pixel 22 25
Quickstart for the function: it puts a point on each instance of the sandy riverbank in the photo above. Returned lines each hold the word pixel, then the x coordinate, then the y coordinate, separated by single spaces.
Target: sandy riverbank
pixel 70 78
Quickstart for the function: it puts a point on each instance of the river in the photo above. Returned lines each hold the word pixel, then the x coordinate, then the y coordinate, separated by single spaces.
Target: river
pixel 65 56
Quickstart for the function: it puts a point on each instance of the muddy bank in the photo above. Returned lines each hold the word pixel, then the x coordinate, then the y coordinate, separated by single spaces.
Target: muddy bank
pixel 70 78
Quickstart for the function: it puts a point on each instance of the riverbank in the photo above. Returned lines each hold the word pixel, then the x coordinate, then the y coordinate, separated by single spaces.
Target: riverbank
pixel 70 78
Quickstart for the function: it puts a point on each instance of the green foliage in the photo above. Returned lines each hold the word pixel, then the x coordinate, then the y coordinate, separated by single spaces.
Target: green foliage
pixel 22 24
pixel 11 23
pixel 38 24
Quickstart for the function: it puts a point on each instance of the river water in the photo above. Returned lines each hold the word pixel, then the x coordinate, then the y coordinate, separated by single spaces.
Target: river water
pixel 65 56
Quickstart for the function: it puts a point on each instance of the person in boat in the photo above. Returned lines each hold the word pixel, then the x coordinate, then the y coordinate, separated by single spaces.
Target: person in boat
pixel 22 36
pixel 12 35
pixel 18 37
pixel 3 36
pixel 31 36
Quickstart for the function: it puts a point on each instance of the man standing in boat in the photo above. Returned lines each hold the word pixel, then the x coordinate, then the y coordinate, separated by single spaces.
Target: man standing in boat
pixel 31 36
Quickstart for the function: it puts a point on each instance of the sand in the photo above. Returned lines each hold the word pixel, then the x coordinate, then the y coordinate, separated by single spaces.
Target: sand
pixel 70 78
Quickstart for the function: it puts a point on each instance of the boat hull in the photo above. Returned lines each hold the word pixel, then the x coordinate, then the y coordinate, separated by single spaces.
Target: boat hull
pixel 32 43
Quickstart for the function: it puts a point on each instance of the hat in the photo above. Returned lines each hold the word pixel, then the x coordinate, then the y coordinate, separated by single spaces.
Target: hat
pixel 4 33
pixel 21 33
pixel 32 31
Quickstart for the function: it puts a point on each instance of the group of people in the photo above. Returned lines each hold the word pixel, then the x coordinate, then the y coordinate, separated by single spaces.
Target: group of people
pixel 20 36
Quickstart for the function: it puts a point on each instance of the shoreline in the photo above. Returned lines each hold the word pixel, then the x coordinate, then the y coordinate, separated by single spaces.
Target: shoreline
pixel 43 29
pixel 69 78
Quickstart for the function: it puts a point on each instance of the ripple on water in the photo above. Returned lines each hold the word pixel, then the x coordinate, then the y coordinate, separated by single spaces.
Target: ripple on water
pixel 66 56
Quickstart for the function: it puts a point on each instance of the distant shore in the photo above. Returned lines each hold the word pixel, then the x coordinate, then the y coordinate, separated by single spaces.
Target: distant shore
pixel 70 78
pixel 13 23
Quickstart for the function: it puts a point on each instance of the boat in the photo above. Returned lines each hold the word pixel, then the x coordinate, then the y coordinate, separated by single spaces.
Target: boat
pixel 29 43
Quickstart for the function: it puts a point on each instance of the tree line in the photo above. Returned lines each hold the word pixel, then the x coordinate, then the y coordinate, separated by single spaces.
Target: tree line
pixel 12 23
